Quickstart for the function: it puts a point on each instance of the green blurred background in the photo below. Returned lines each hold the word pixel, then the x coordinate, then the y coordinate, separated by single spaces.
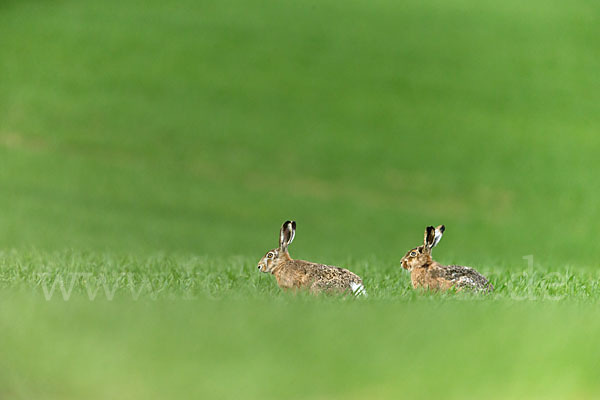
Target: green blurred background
pixel 195 128
pixel 201 126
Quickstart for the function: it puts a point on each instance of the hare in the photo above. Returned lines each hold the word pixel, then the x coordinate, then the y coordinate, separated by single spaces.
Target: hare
pixel 429 274
pixel 300 274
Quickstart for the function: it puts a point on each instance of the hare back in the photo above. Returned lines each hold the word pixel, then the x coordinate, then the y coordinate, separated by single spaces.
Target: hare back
pixel 443 277
pixel 466 277
pixel 317 277
pixel 463 277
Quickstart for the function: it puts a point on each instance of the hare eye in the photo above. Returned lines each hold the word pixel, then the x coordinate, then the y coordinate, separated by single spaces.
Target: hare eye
pixel 413 253
pixel 270 255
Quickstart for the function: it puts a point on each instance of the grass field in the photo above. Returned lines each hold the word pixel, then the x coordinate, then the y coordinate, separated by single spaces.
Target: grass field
pixel 149 152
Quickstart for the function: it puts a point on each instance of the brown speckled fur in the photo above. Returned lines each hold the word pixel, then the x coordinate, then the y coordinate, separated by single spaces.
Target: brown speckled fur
pixel 428 274
pixel 299 274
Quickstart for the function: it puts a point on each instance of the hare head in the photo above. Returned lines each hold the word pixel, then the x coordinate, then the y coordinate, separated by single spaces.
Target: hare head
pixel 276 256
pixel 421 255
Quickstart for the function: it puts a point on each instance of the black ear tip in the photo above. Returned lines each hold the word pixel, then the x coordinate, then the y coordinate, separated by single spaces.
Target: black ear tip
pixel 430 228
pixel 287 224
pixel 442 228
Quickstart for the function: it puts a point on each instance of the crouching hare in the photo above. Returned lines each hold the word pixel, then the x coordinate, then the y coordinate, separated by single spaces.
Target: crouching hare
pixel 429 274
pixel 300 274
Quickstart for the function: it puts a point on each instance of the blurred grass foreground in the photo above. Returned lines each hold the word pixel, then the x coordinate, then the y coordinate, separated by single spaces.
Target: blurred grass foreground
pixel 157 147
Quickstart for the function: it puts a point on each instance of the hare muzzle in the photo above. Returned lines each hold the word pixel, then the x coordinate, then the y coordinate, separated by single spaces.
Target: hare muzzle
pixel 404 263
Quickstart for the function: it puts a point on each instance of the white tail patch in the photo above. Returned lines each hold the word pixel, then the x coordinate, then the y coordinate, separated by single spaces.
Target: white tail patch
pixel 358 289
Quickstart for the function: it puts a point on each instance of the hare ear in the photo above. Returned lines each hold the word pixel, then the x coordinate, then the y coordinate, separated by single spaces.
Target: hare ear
pixel 286 236
pixel 439 231
pixel 429 239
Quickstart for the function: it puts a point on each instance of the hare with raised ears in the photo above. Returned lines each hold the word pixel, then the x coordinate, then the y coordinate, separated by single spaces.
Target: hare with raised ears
pixel 300 274
pixel 429 274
